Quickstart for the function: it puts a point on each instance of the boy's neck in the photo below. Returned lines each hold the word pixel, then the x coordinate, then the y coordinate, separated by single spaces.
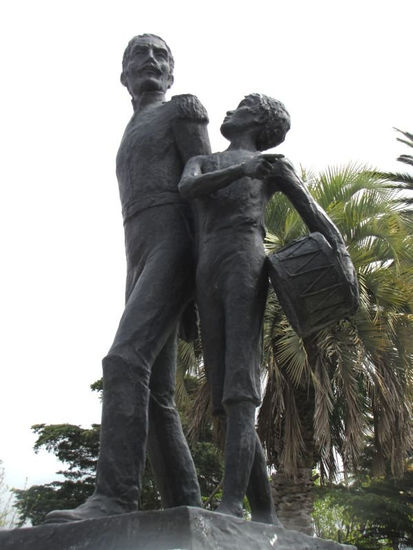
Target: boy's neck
pixel 243 141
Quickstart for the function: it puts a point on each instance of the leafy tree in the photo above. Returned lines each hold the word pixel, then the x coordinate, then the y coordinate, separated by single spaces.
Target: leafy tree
pixel 77 448
pixel 371 513
pixel 7 511
pixel 402 180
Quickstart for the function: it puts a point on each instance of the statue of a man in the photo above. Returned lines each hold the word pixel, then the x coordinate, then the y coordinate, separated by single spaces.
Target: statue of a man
pixel 139 369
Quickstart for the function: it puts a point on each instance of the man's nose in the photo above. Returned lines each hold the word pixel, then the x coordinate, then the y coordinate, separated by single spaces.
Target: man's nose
pixel 229 113
pixel 150 55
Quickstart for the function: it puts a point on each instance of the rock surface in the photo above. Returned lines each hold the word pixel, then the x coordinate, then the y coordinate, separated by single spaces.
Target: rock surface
pixel 182 528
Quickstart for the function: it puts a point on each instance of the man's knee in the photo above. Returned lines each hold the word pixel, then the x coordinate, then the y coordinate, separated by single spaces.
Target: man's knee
pixel 121 367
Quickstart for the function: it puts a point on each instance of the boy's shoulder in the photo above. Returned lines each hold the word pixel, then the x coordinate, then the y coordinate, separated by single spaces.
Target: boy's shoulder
pixel 211 159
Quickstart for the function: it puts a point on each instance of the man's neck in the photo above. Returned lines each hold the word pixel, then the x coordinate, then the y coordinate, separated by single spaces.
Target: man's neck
pixel 148 99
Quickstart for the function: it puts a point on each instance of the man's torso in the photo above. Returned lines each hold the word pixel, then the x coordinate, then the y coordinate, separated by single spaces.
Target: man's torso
pixel 148 163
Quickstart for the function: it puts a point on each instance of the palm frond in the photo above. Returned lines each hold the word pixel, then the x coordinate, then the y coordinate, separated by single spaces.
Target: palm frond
pixel 408 135
pixel 407 159
pixel 405 179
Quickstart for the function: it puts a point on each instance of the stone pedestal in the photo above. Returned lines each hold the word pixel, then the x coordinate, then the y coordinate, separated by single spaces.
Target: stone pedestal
pixel 182 528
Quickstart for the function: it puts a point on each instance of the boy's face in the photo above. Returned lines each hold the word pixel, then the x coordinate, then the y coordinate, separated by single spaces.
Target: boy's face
pixel 244 117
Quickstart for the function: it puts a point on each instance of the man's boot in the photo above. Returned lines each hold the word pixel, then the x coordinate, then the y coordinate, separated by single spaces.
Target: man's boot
pixel 122 451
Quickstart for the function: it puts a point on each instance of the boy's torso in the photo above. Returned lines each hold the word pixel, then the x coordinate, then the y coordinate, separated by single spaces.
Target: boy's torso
pixel 235 209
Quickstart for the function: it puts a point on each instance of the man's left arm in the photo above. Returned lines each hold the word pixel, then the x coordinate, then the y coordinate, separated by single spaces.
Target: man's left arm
pixel 191 138
pixel 190 127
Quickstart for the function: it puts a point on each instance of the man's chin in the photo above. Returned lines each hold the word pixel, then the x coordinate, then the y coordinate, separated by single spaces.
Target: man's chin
pixel 153 84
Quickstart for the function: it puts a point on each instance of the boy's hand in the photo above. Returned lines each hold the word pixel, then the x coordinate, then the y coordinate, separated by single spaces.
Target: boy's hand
pixel 260 167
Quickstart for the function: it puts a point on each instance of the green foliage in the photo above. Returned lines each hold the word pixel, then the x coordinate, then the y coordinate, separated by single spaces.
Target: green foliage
pixel 77 448
pixel 402 180
pixel 372 514
pixel 209 466
pixel 35 502
pixel 7 511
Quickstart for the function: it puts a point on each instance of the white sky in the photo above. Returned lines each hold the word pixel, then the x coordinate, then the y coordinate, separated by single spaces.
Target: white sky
pixel 342 68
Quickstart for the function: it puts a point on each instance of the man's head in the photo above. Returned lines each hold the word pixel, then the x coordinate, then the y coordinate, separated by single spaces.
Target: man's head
pixel 267 117
pixel 147 65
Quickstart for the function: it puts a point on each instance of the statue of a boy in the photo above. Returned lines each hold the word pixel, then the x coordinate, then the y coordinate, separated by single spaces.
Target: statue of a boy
pixel 230 191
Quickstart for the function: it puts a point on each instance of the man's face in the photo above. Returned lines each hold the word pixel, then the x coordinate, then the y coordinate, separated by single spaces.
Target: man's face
pixel 148 68
pixel 242 118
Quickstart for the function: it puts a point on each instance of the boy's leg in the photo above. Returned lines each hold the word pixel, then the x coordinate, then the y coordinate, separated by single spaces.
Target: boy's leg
pixel 245 303
pixel 259 489
pixel 240 446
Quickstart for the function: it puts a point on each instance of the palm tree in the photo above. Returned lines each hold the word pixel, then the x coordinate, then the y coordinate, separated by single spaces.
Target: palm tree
pixel 324 393
pixel 402 180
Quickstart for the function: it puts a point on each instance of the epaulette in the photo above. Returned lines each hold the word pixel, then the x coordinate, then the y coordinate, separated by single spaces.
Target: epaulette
pixel 189 107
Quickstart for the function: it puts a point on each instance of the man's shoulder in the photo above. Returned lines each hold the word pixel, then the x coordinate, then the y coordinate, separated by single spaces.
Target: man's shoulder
pixel 188 107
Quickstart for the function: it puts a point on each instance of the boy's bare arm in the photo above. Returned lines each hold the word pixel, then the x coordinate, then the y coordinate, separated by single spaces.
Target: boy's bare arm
pixel 287 181
pixel 195 183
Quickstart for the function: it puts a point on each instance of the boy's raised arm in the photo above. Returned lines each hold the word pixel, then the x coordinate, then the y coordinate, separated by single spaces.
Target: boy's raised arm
pixel 312 214
pixel 194 183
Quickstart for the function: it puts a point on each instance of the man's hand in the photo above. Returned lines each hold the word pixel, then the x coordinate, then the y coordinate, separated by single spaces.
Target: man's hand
pixel 260 167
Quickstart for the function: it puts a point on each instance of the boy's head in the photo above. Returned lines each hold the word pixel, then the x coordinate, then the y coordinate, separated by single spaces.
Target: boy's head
pixel 266 116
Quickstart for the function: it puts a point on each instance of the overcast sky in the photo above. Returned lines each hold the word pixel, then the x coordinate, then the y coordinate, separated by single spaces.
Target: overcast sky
pixel 342 68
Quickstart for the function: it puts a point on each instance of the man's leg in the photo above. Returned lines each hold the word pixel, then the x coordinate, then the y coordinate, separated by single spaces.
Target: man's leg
pixel 169 453
pixel 151 315
pixel 122 445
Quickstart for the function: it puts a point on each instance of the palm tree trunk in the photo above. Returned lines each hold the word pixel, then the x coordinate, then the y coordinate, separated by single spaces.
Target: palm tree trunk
pixel 293 499
pixel 292 491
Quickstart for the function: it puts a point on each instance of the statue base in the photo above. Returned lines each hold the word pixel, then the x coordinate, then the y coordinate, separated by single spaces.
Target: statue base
pixel 182 528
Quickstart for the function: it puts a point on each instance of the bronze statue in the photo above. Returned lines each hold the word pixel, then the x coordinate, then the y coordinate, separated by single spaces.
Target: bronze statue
pixel 139 369
pixel 230 191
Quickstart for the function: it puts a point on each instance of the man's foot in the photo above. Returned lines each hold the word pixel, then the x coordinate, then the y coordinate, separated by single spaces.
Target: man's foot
pixel 266 517
pixel 96 506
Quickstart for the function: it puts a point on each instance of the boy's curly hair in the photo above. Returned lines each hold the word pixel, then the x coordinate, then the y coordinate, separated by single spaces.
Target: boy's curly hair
pixel 276 119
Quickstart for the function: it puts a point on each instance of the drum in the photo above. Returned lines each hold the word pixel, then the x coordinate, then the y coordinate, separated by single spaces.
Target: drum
pixel 315 283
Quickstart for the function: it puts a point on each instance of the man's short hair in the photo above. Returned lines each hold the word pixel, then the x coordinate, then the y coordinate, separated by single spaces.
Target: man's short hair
pixel 128 52
pixel 276 121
